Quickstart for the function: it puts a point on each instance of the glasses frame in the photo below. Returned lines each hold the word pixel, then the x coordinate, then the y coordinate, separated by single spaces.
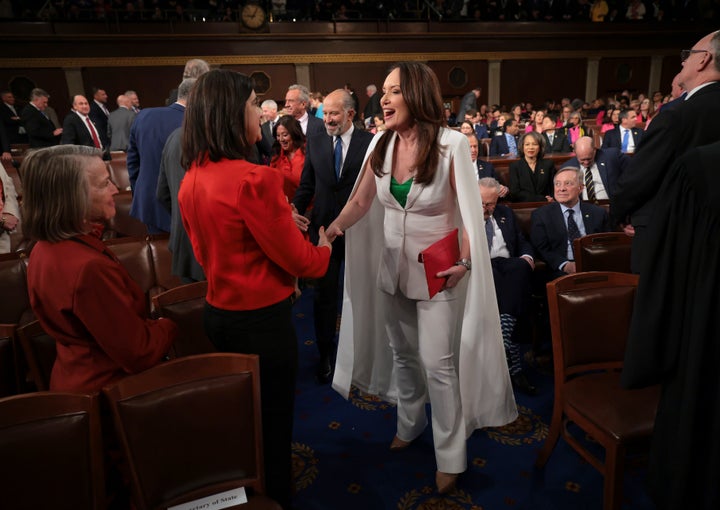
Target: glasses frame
pixel 685 54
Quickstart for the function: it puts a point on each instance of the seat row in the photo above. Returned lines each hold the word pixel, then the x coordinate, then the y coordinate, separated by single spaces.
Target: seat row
pixel 54 445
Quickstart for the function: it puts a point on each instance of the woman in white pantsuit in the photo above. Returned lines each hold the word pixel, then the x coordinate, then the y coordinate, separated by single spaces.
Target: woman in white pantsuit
pixel 417 185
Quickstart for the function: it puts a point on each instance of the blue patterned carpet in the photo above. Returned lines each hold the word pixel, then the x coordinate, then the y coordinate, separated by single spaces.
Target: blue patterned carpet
pixel 342 461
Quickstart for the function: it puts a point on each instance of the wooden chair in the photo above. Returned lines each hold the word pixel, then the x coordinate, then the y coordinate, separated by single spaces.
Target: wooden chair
pixel 185 305
pixel 590 319
pixel 40 353
pixel 51 451
pixel 606 251
pixel 192 428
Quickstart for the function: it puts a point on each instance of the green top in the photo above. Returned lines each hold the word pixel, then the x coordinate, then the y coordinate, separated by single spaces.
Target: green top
pixel 400 191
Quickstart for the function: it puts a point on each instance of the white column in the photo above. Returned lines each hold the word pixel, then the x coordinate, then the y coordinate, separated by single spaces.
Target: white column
pixel 655 74
pixel 591 78
pixel 73 78
pixel 493 89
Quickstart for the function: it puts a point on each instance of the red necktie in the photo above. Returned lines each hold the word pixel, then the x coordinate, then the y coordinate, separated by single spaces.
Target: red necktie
pixel 96 140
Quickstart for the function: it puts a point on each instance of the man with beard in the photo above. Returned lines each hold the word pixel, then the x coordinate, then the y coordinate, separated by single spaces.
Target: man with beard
pixel 332 162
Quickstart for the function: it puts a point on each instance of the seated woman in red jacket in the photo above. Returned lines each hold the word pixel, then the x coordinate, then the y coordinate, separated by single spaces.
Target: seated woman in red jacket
pixel 241 228
pixel 81 294
pixel 289 152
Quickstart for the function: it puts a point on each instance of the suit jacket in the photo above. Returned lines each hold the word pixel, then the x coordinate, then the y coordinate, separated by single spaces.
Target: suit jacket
pixel 481 131
pixel 12 126
pixel 526 186
pixel 613 138
pixel 318 179
pixel 265 144
pixel 184 263
pixel 468 102
pixel 315 125
pixel 485 169
pixel 372 107
pixel 672 132
pixel 560 142
pixel 148 135
pixel 549 235
pixel 611 164
pixel 516 243
pixel 75 131
pixel 97 115
pixel 38 127
pixel 119 124
pixel 499 145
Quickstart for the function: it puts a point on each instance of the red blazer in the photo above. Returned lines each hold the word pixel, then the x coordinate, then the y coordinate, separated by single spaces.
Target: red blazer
pixel 291 170
pixel 242 232
pixel 87 301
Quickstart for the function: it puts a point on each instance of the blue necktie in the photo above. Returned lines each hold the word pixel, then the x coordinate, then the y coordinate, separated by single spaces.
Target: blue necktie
pixel 489 232
pixel 512 144
pixel 625 140
pixel 338 156
pixel 573 229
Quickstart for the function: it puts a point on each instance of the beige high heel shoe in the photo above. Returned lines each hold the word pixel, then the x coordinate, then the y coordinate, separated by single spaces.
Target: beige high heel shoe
pixel 398 444
pixel 445 482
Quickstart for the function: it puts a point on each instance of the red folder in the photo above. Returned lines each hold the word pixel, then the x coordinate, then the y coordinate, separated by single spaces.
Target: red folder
pixel 438 257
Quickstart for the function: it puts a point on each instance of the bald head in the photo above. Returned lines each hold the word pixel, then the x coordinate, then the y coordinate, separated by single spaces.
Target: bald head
pixel 585 151
pixel 123 101
pixel 701 65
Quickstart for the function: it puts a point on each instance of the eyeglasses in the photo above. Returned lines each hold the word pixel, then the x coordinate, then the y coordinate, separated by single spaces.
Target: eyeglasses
pixel 685 54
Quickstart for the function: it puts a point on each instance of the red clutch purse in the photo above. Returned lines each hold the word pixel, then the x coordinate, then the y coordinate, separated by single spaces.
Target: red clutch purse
pixel 438 257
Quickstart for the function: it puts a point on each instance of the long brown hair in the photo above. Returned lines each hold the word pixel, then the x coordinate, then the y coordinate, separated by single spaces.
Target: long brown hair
pixel 214 124
pixel 421 90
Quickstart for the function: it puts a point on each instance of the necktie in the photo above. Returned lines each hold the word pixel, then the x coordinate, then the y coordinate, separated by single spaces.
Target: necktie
pixel 625 140
pixel 512 144
pixel 573 230
pixel 590 185
pixel 96 140
pixel 489 232
pixel 551 137
pixel 338 156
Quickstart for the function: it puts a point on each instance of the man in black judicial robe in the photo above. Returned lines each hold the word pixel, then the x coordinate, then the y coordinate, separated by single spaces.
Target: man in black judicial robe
pixel 675 333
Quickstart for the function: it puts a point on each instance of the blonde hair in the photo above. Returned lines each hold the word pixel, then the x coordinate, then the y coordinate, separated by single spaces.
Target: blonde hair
pixel 56 191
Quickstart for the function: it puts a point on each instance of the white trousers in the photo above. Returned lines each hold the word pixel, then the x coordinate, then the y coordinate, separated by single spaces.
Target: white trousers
pixel 421 337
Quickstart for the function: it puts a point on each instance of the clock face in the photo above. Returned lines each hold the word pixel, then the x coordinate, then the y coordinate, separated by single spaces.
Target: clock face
pixel 253 16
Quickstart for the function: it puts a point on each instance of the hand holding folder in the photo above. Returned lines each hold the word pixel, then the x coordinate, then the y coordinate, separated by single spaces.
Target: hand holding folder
pixel 438 257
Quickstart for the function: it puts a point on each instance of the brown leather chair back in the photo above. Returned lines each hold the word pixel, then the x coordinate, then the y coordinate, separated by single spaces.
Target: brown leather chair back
pixel 606 251
pixel 51 451
pixel 13 282
pixel 590 320
pixel 40 353
pixel 162 262
pixel 118 170
pixel 124 225
pixel 190 428
pixel 185 305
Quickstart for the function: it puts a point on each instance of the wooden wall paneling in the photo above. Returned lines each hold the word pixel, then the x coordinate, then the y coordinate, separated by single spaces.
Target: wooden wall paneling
pixel 153 84
pixel 539 80
pixel 51 80
pixel 625 73
pixel 281 76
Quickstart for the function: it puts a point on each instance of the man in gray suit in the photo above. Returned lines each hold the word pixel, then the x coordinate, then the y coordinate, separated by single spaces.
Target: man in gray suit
pixel 184 263
pixel 119 123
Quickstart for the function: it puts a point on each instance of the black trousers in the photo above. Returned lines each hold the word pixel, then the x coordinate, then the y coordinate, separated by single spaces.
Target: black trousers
pixel 512 284
pixel 269 333
pixel 325 304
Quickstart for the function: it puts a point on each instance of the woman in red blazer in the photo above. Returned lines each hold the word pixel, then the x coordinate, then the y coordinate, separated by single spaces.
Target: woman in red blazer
pixel 81 294
pixel 289 153
pixel 242 232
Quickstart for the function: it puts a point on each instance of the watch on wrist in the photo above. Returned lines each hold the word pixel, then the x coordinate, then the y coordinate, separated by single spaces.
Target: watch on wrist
pixel 464 262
